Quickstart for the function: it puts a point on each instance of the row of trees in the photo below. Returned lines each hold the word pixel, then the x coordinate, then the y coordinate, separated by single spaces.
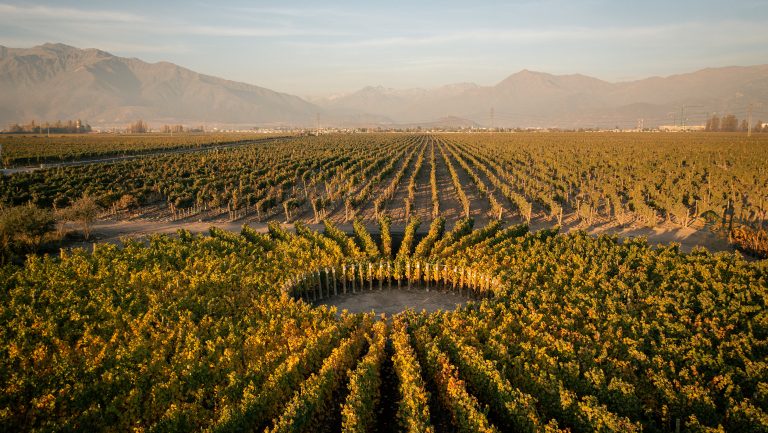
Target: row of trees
pixel 58 127
pixel 141 127
pixel 730 123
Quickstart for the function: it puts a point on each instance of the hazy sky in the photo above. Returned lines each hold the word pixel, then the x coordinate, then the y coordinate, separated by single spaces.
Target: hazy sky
pixel 319 48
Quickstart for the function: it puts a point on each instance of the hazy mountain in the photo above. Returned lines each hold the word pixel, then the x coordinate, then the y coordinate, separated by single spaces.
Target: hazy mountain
pixel 56 81
pixel 530 98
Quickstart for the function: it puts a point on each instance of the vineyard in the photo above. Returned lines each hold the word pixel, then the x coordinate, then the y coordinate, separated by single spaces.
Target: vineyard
pixel 37 149
pixel 220 333
pixel 235 332
pixel 712 181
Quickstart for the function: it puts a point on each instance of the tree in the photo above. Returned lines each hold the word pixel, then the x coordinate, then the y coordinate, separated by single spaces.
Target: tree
pixel 758 127
pixel 127 202
pixel 744 126
pixel 729 123
pixel 23 228
pixel 713 124
pixel 138 127
pixel 84 211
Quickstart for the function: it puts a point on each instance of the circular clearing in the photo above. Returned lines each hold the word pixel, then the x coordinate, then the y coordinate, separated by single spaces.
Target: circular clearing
pixel 395 301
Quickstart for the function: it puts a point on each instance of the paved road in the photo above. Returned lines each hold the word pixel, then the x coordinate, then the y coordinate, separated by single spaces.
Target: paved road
pixel 112 159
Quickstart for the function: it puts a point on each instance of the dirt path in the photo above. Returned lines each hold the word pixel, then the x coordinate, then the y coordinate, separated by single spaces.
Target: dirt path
pixel 395 208
pixel 450 207
pixel 368 212
pixel 688 238
pixel 478 206
pixel 509 213
pixel 422 199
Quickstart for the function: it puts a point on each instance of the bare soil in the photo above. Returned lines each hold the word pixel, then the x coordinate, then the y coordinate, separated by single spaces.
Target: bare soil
pixel 688 238
pixel 395 301
pixel 395 208
pixel 478 205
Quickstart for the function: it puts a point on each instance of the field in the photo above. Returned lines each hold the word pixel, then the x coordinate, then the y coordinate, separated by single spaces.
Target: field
pixel 596 182
pixel 573 333
pixel 537 178
pixel 19 150
pixel 556 329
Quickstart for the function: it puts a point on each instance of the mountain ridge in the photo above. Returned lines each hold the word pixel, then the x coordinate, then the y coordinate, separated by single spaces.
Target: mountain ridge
pixel 58 81
pixel 534 98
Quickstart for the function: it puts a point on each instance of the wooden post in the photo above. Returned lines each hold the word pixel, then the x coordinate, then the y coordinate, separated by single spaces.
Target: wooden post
pixel 426 275
pixel 344 277
pixel 408 274
pixel 327 283
pixel 370 277
pixel 335 285
pixel 381 275
pixel 454 279
pixel 354 277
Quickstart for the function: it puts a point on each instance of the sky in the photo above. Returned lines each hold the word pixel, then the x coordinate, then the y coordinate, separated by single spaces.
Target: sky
pixel 321 48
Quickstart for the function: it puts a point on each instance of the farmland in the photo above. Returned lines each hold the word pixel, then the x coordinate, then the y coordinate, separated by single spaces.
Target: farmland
pixel 216 332
pixel 232 331
pixel 580 180
pixel 20 150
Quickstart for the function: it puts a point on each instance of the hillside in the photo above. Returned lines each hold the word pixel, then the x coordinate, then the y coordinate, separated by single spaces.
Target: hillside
pixel 56 81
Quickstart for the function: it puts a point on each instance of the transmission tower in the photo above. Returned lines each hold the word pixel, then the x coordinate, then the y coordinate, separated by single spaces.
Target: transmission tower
pixel 492 116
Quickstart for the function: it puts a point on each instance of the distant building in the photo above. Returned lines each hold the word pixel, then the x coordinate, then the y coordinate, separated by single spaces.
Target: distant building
pixel 679 128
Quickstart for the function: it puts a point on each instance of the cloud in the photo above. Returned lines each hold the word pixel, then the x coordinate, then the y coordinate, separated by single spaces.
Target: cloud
pixel 245 31
pixel 39 12
pixel 82 20
pixel 299 12
pixel 560 34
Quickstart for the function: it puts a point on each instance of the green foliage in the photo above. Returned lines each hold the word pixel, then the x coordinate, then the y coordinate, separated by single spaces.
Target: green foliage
pixel 83 211
pixel 406 247
pixel 360 409
pixel 386 236
pixel 424 247
pixel 413 414
pixel 364 240
pixel 346 243
pixel 23 229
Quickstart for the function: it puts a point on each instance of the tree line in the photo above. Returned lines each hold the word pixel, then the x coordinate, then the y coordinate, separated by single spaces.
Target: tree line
pixel 730 123
pixel 58 127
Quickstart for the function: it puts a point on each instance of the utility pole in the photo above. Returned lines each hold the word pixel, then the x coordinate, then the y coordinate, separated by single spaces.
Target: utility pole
pixel 317 120
pixel 749 121
pixel 682 117
pixel 492 116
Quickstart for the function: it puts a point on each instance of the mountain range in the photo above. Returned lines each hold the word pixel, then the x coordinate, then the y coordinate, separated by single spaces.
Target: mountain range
pixel 56 81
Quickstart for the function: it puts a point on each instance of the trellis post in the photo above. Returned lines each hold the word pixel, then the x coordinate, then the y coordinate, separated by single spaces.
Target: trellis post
pixel 344 277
